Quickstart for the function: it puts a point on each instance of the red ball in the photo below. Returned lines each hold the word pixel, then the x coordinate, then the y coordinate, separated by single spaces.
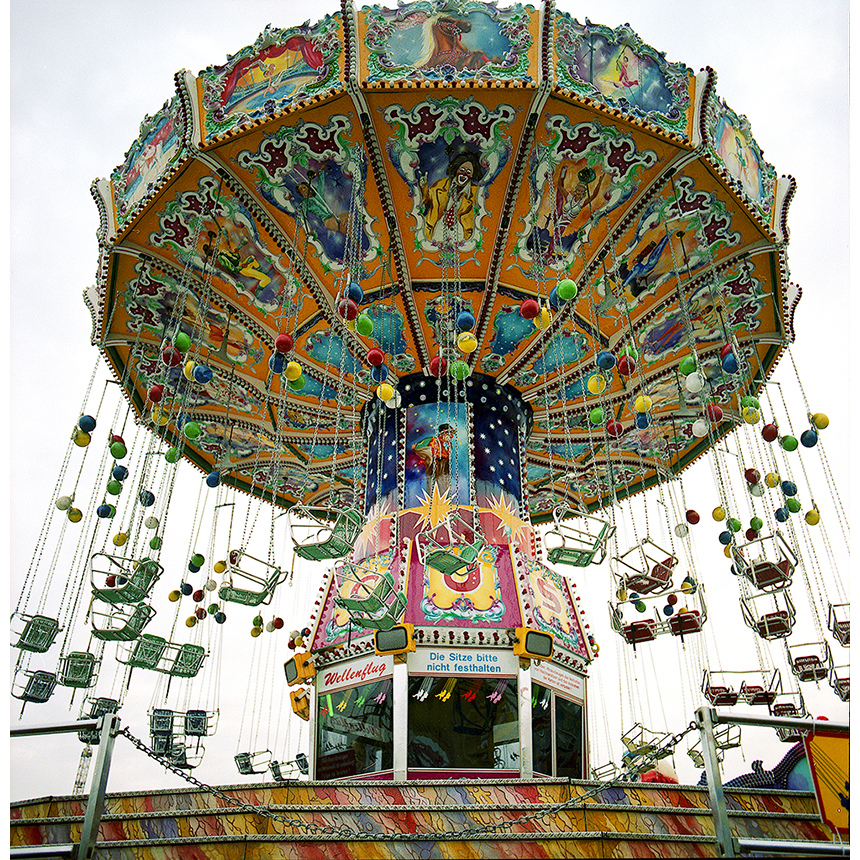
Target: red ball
pixel 725 351
pixel 291 643
pixel 110 582
pixel 692 517
pixel 283 342
pixel 438 365
pixel 529 309
pixel 200 612
pixel 752 476
pixel 375 357
pixel 715 413
pixel 626 365
pixel 234 556
pixel 751 534
pixel 614 428
pixel 171 356
pixel 115 437
pixel 672 599
pixel 277 623
pixel 197 596
pixel 769 432
pixel 348 309
pixel 156 392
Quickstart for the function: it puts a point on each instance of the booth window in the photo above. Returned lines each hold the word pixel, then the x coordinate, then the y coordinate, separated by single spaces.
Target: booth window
pixel 557 734
pixel 355 731
pixel 464 723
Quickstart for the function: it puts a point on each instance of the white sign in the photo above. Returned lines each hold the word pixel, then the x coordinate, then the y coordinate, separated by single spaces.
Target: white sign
pixel 566 683
pixel 462 661
pixel 356 672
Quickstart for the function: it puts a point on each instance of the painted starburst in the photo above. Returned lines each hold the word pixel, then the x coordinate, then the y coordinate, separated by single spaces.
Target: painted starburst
pixel 433 509
pixel 507 515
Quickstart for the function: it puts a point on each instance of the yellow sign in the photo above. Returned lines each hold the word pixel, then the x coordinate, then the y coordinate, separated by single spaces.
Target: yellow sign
pixel 827 754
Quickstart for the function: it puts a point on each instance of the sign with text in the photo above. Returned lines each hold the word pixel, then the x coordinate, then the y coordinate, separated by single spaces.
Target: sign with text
pixel 463 661
pixel 566 683
pixel 827 753
pixel 362 671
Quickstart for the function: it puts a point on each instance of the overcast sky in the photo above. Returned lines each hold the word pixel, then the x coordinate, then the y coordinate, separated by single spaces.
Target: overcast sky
pixel 84 75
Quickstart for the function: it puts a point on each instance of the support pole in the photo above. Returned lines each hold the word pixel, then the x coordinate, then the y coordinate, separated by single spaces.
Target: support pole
pixel 524 698
pixel 705 718
pixel 96 802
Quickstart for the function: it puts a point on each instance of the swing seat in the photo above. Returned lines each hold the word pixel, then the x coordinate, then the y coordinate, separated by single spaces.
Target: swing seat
pixel 788 709
pixel 640 631
pixel 188 661
pixel 161 722
pixel 132 623
pixel 162 744
pixel 658 578
pixel 768 575
pixel 754 694
pixel 147 651
pixel 38 688
pixel 686 622
pixel 196 723
pixel 386 621
pixel 98 708
pixel 77 669
pixel 809 668
pixel 253 762
pixel 721 697
pixel 376 598
pixel 129 585
pixel 578 547
pixel 452 559
pixel 248 596
pixel 842 632
pixel 842 687
pixel 331 539
pixel 774 625
pixel 38 634
pixel 277 775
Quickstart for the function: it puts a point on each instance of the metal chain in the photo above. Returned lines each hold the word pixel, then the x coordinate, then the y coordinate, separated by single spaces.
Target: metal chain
pixel 459 835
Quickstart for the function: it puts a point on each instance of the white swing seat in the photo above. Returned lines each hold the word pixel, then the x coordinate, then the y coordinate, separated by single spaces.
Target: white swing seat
pixel 266 581
pixel 579 543
pixel 331 534
pixel 253 762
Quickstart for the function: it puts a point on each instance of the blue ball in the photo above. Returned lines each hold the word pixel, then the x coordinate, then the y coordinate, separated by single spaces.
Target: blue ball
pixel 465 320
pixel 730 363
pixel 186 588
pixel 554 300
pixel 355 292
pixel 146 498
pixel 120 473
pixel 220 617
pixel 277 363
pixel 642 420
pixel 668 610
pixel 379 374
pixel 605 360
pixel 105 511
pixel 193 567
pixel 87 423
pixel 781 514
pixel 202 374
pixel 809 438
pixel 213 479
pixel 789 488
pixel 725 538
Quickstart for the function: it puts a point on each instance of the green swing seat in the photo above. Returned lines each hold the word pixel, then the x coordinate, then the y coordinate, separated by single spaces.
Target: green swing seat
pixel 147 652
pixel 189 659
pixel 98 708
pixel 330 539
pixel 253 762
pixel 377 610
pixel 159 655
pixel 78 669
pixel 132 581
pixel 131 623
pixel 455 555
pixel 270 579
pixel 38 687
pixel 38 633
pixel 579 547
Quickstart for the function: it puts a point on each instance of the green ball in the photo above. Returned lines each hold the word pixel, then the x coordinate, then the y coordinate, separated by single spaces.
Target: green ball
pixel 688 366
pixel 596 416
pixel 789 443
pixel 793 505
pixel 114 487
pixel 298 383
pixel 172 455
pixel 212 609
pixel 192 430
pixel 460 370
pixel 118 450
pixel 567 289
pixel 182 342
pixel 258 621
pixel 750 401
pixel 733 524
pixel 756 523
pixel 364 325
pixel 155 542
pixel 197 559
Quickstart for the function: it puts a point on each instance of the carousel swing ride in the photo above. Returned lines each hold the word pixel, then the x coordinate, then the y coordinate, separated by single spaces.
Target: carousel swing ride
pixel 439 303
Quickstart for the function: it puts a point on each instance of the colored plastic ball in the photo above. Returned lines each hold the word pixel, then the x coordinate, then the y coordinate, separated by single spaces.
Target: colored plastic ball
pixel 278 363
pixel 193 568
pixel 270 628
pixel 115 437
pixel 219 566
pixel 256 631
pixel 614 428
pixel 789 488
pixel 687 366
pixel 756 523
pixel 220 617
pixel 626 365
pixel 752 476
pixel 155 542
pixel 750 534
pixel 364 325
pixel 297 384
pixel 567 289
pixel 118 450
pixel 277 623
pixel 725 538
pixel 605 360
pixel 106 511
pixel 769 432
pixel 74 514
pixel 81 439
pixel 292 370
pixel 749 400
pixel 119 473
pixel 694 382
pixel 284 342
pixel 788 443
pixel 172 455
pixel 63 503
pixel 171 356
pixel 733 524
pixel 355 292
pixel 198 559
pixel 347 309
pixel 379 374
pixel 642 420
pixel 114 487
pixel 182 342
pixel 718 513
pixel 191 621
pixel 700 428
pixel 751 415
pixel 146 498
pixel 186 588
pixel 375 357
pixel 212 608
pixel 668 610
pixel 682 530
pixel 820 420
pixel 782 514
pixel 643 403
pixel 692 517
pixel 771 479
pixel 385 391
pixel 198 595
pixel 688 586
pixel 200 612
pixel 727 348
pixel 156 392
pixel 727 551
pixel 192 430
pixel 545 318
pixel 813 517
pixel 714 412
pixel 438 365
pixel 793 505
pixel 467 342
pixel 210 585
pixel 174 596
pixel 730 364
pixel 460 370
pixel 120 538
pixel 756 490
pixel 202 374
pixel 672 599
pixel 258 621
pixel 159 417
pixel 640 606
pixel 465 321
pixel 809 438
pixel 188 370
pixel 596 416
pixel 597 383
pixel 529 309
pixel 87 423
pixel 213 479
pixel 151 522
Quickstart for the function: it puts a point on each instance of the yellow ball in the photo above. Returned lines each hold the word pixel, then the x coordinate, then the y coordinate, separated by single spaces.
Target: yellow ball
pixel 467 342
pixel 293 371
pixel 643 403
pixel 727 551
pixel 219 566
pixel 174 596
pixel 75 515
pixel 120 539
pixel 771 479
pixel 158 417
pixel 191 621
pixel 188 369
pixel 81 439
pixel 544 319
pixel 820 420
pixel 597 383
pixel 718 513
pixel 813 517
pixel 256 631
pixel 596 649
pixel 751 415
pixel 385 391
pixel 299 640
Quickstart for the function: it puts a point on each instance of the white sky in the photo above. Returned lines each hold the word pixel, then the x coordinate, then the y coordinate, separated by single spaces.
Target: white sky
pixel 84 75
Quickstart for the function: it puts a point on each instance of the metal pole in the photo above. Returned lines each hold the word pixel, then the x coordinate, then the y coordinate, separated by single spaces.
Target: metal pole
pixel 524 697
pixel 705 721
pixel 95 804
pixel 400 704
pixel 803 723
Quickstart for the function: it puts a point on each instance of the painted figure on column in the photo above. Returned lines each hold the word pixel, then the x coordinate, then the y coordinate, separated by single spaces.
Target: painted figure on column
pixel 435 452
pixel 449 203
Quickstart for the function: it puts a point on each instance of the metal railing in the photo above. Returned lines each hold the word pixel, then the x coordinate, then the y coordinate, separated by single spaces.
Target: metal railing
pixel 107 727
pixel 732 846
